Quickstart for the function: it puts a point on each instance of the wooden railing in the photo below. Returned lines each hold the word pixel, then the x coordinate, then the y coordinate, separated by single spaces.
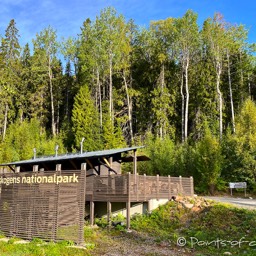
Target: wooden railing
pixel 136 188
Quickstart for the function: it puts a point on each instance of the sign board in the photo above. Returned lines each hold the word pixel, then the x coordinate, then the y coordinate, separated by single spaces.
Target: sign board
pixel 237 185
pixel 48 205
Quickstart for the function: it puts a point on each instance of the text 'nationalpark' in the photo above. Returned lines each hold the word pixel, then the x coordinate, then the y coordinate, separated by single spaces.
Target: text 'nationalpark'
pixel 40 179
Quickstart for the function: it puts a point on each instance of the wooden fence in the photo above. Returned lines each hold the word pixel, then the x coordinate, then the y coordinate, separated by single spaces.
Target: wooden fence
pixel 136 188
pixel 47 205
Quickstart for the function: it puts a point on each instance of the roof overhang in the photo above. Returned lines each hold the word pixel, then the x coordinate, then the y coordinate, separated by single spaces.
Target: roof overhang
pixel 72 157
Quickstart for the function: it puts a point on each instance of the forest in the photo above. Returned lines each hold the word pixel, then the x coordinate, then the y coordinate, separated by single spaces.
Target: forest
pixel 185 91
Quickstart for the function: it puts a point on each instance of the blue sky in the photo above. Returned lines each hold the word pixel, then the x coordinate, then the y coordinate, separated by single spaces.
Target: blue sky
pixel 67 16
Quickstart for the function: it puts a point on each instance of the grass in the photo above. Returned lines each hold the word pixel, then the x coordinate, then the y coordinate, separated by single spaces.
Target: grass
pixel 35 249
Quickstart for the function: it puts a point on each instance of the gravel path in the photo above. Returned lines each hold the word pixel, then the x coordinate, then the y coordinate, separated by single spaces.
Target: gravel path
pixel 248 203
pixel 133 244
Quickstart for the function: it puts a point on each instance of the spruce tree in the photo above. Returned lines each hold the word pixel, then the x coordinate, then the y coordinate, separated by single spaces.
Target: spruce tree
pixel 85 121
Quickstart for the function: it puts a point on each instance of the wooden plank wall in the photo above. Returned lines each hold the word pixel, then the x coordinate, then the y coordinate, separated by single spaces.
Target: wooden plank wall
pixel 49 211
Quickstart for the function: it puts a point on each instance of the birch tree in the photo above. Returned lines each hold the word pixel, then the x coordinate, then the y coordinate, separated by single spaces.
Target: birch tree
pixel 236 36
pixel 187 45
pixel 214 33
pixel 46 45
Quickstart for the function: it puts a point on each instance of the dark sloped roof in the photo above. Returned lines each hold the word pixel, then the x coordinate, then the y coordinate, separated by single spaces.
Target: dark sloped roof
pixel 76 156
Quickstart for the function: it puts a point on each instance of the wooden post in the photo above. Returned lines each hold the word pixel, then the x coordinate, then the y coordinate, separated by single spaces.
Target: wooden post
pixel 137 186
pixel 109 213
pixel 58 167
pixel 82 210
pixel 169 187
pixel 145 178
pixel 157 186
pixel 180 190
pixel 57 192
pixel 128 203
pixel 91 213
pixel 35 168
pixel 191 186
pixel 17 169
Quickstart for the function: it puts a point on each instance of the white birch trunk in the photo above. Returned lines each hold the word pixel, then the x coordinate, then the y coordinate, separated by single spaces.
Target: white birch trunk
pixel 218 69
pixel 52 98
pixel 129 104
pixel 5 120
pixel 187 101
pixel 231 95
pixel 182 108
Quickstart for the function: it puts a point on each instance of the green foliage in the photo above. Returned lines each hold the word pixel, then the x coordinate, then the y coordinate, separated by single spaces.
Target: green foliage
pixel 112 135
pixel 23 137
pixel 208 161
pixel 161 223
pixel 239 149
pixel 161 153
pixel 101 222
pixel 85 121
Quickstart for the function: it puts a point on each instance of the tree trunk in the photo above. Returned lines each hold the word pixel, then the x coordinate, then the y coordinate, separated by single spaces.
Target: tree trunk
pixel 187 101
pixel 220 98
pixel 162 122
pixel 129 104
pixel 182 108
pixel 100 99
pixel 111 114
pixel 231 95
pixel 52 98
pixel 5 120
pixel 58 119
pixel 242 74
pixel 249 87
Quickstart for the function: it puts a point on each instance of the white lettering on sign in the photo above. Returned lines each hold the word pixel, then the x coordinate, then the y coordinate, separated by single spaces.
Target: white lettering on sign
pixel 34 179
pixel 237 185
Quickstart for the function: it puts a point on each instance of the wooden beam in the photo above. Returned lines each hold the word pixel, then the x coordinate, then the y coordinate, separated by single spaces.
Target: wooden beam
pixel 91 166
pixel 73 164
pixel 106 161
pixel 11 168
pixel 89 163
pixel 107 165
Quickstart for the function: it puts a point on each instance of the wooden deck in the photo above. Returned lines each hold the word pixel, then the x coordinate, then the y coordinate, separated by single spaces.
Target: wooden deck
pixel 136 188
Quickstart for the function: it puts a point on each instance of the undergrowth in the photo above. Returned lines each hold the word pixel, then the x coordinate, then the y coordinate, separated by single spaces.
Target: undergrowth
pixel 212 230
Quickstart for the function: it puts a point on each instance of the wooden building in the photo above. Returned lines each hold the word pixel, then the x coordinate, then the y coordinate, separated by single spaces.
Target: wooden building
pixel 105 182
